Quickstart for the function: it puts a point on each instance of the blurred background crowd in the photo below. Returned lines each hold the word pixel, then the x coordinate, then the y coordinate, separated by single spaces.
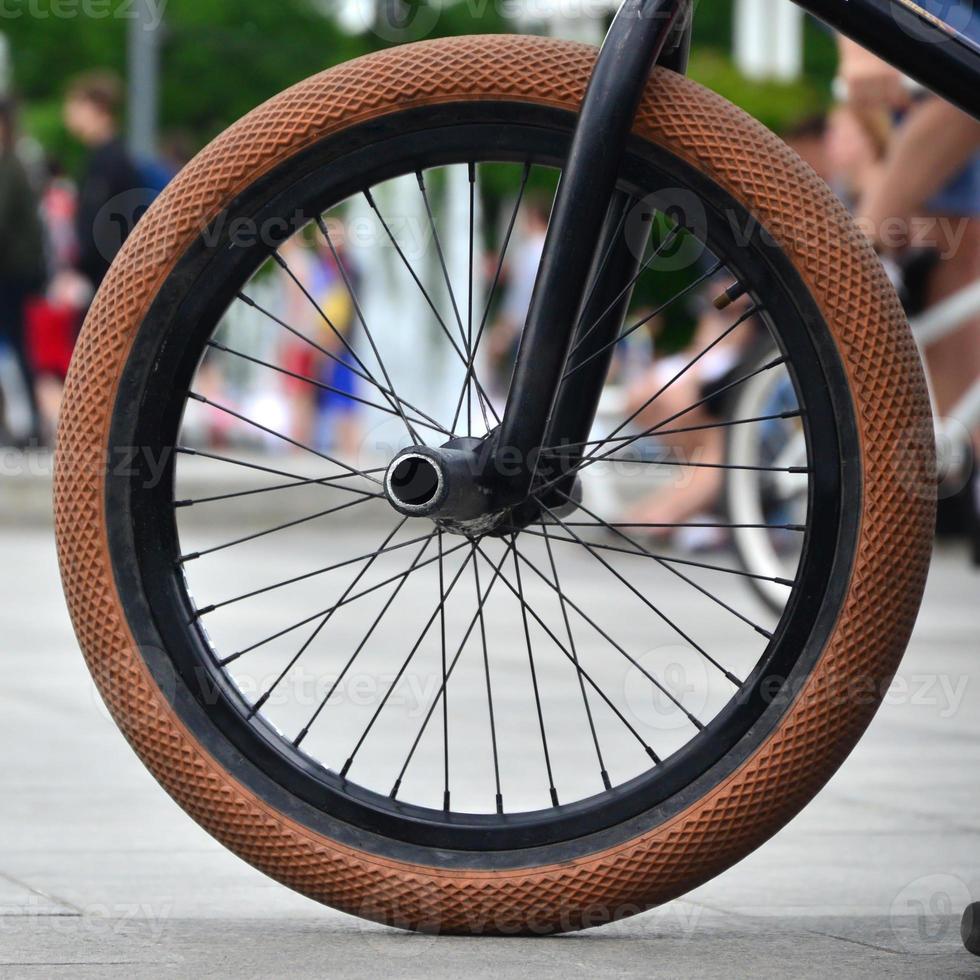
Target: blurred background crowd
pixel 100 110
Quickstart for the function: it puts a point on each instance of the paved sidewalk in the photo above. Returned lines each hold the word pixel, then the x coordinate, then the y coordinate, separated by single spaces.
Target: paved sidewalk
pixel 102 875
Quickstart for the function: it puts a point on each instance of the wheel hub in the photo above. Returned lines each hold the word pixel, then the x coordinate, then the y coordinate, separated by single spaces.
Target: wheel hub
pixel 447 484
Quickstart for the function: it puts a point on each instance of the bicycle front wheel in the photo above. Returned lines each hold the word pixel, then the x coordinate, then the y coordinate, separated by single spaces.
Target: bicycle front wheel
pixel 453 731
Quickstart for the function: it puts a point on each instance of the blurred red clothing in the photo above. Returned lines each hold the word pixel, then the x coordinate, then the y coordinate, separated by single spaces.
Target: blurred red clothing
pixel 51 330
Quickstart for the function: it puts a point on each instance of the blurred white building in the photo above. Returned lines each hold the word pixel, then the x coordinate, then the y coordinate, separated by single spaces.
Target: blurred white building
pixel 768 39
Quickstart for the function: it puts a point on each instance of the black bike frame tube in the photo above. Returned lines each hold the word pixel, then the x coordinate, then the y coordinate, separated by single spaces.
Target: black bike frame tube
pixel 677 51
pixel 636 38
pixel 911 39
pixel 618 259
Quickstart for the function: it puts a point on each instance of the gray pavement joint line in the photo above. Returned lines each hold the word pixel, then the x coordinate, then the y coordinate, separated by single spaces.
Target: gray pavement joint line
pixel 64 903
pixel 855 942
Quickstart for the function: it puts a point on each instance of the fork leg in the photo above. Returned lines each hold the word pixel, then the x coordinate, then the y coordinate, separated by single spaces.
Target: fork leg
pixel 636 39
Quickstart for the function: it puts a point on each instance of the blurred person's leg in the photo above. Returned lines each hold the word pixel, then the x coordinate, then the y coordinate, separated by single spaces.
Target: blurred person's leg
pixel 338 414
pixel 49 389
pixel 934 143
pixel 348 435
pixel 928 168
pixel 693 489
pixel 954 360
pixel 12 300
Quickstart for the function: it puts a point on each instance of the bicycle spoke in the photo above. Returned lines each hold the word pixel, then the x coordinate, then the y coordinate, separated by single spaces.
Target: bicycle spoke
pixel 584 673
pixel 687 367
pixel 636 326
pixel 571 643
pixel 279 435
pixel 402 579
pixel 655 254
pixel 447 333
pixel 445 693
pixel 359 595
pixel 326 619
pixel 364 376
pixel 469 308
pixel 357 306
pixel 297 481
pixel 194 501
pixel 330 481
pixel 526 173
pixel 194 555
pixel 322 386
pixel 534 676
pixel 302 578
pixel 392 399
pixel 603 263
pixel 592 458
pixel 720 424
pixel 486 670
pixel 649 554
pixel 441 693
pixel 668 558
pixel 712 524
pixel 401 670
pixel 704 466
pixel 439 253
pixel 654 430
pixel 653 608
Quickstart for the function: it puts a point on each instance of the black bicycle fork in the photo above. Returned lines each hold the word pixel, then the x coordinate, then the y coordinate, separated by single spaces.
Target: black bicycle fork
pixel 593 252
pixel 590 240
pixel 588 226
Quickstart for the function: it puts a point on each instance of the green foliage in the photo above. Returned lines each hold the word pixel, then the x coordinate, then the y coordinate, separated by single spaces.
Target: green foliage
pixel 713 24
pixel 218 59
pixel 819 53
pixel 776 104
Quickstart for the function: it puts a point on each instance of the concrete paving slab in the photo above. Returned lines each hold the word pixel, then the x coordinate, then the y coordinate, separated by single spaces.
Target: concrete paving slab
pixel 102 875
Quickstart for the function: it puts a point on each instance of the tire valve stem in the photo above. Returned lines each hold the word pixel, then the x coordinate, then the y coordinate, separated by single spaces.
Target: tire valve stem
pixel 726 298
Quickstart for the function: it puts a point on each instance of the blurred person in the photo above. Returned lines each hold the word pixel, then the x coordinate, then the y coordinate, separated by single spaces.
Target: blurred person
pixel 521 271
pixel 808 137
pixel 22 269
pixel 931 171
pixel 157 171
pixel 295 354
pixel 339 414
pixel 856 143
pixel 59 204
pixel 633 355
pixel 91 114
pixel 52 324
pixel 695 489
pixel 320 409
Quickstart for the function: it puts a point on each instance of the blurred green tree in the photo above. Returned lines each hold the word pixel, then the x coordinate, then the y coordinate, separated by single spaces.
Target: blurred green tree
pixel 218 59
